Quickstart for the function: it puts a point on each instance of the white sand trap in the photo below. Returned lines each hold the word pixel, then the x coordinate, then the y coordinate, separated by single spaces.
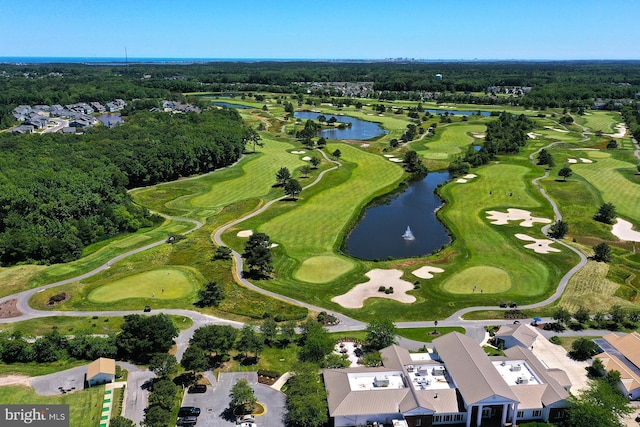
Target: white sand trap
pixel 365 145
pixel 501 218
pixel 298 152
pixel 389 155
pixel 557 130
pixel 425 272
pixel 369 114
pixel 381 115
pixel 470 176
pixel 245 233
pixel 583 160
pixel 274 245
pixel 395 160
pixel 572 161
pixel 623 230
pixel 541 246
pixel 306 158
pixel 478 135
pixel 356 297
pixel 461 180
pixel 532 135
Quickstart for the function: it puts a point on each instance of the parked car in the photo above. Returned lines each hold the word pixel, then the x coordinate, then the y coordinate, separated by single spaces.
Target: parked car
pixel 503 304
pixel 513 304
pixel 147 308
pixel 197 388
pixel 189 411
pixel 187 421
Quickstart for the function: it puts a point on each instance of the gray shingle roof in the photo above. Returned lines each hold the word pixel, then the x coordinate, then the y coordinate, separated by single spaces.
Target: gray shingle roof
pixel 474 374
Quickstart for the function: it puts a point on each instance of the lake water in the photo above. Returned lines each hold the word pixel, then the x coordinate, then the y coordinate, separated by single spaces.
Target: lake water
pixel 110 119
pixel 359 129
pixel 458 112
pixel 379 233
pixel 230 105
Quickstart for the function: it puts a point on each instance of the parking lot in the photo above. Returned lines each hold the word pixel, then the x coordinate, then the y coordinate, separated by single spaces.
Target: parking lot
pixel 214 403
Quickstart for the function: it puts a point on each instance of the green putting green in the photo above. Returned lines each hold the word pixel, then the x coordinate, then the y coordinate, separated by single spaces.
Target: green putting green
pixel 164 283
pixel 479 280
pixel 322 269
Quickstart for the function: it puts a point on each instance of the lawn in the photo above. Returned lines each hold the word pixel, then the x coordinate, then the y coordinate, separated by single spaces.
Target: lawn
pixel 162 283
pixel 85 406
pixel 451 140
pixel 427 334
pixel 603 121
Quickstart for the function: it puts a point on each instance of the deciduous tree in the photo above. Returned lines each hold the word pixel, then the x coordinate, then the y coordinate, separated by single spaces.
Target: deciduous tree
pixel 292 188
pixel 565 172
pixel 257 254
pixel 558 229
pixel 380 334
pixel 602 253
pixel 606 213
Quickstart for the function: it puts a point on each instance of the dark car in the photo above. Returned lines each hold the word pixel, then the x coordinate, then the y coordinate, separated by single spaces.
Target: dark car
pixel 187 421
pixel 189 411
pixel 147 308
pixel 503 305
pixel 513 304
pixel 197 388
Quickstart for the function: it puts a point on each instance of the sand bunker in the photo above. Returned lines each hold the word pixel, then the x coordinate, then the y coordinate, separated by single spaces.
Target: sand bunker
pixel 470 176
pixel 478 135
pixel 583 160
pixel 356 297
pixel 461 180
pixel 365 145
pixel 557 130
pixel 395 160
pixel 306 158
pixel 388 156
pixel 501 218
pixel 298 152
pixel 245 233
pixel 274 245
pixel 572 161
pixel 541 246
pixel 425 272
pixel 623 230
pixel 532 135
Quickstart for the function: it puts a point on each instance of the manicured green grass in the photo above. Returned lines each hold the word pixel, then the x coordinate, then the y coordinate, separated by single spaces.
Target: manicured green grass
pixel 164 283
pixel 479 280
pixel 322 269
pixel 315 226
pixel 614 186
pixel 603 121
pixel 85 406
pixel 451 140
pixel 426 334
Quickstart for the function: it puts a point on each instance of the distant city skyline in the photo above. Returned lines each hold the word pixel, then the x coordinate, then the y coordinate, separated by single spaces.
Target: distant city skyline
pixel 357 30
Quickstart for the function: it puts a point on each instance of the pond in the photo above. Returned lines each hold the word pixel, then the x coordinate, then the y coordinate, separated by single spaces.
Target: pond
pixel 110 119
pixel 458 112
pixel 230 105
pixel 379 235
pixel 359 129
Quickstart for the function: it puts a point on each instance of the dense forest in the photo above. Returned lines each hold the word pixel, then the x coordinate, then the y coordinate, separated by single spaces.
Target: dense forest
pixel 59 193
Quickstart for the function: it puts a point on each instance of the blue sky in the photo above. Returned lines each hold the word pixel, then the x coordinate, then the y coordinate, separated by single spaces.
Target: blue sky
pixel 346 29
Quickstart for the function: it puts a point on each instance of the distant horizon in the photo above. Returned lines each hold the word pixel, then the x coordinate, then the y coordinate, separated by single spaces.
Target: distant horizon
pixel 37 59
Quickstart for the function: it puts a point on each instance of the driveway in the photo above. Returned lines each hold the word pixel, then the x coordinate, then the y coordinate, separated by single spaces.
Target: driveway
pixel 555 356
pixel 137 394
pixel 60 382
pixel 214 403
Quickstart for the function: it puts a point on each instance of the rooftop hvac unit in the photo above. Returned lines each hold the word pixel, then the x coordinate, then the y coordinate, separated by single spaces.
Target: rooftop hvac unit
pixel 381 382
pixel 522 380
pixel 516 368
pixel 439 370
pixel 410 368
pixel 423 371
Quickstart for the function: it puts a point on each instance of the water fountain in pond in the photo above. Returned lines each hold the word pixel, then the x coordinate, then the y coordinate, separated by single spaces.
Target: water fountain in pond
pixel 408 235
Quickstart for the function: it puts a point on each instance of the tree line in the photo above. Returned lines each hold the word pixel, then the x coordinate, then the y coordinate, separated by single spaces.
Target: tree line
pixel 60 193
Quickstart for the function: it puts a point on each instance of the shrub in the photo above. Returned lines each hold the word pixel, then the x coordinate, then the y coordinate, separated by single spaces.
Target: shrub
pixel 555 340
pixel 382 289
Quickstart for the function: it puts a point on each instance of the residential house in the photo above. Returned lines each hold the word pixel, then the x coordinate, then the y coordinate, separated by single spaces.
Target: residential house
pixel 456 384
pixel 21 112
pixel 621 352
pixel 101 371
pixel 97 107
pixel 23 129
pixel 518 334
